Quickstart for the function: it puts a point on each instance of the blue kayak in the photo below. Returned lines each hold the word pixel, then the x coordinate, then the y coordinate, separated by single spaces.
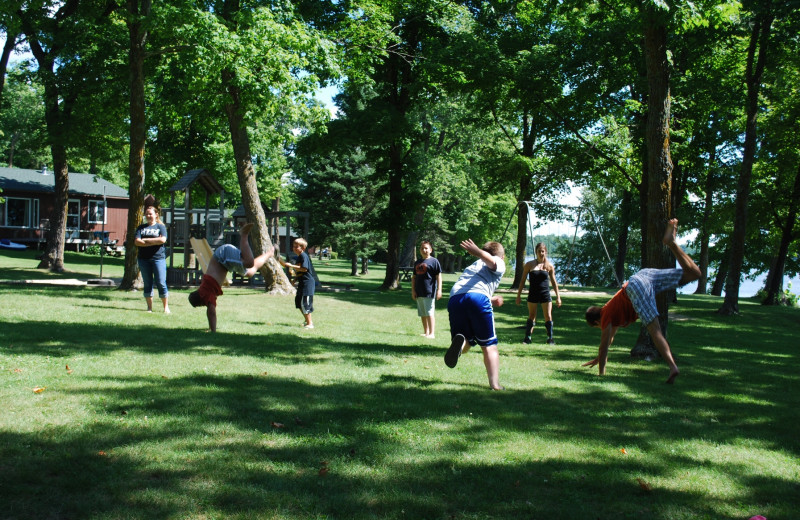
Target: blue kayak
pixel 8 244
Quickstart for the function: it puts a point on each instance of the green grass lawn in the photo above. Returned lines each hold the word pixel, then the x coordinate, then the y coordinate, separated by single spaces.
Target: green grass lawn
pixel 360 418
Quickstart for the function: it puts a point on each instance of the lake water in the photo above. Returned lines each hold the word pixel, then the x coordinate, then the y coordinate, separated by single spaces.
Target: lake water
pixel 749 288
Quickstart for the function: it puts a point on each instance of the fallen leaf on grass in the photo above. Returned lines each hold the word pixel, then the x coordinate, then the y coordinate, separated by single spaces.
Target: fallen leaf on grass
pixel 17 370
pixel 38 389
pixel 69 370
pixel 644 485
pixel 323 472
pixel 624 451
pixel 102 453
pixel 276 424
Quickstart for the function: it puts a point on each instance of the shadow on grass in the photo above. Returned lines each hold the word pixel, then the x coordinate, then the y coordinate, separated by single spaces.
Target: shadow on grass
pixel 404 445
pixel 227 458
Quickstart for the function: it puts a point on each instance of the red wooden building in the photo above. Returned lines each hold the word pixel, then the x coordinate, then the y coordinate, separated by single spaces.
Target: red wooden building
pixel 29 203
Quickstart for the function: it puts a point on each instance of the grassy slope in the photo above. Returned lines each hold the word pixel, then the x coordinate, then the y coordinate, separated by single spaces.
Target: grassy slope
pixel 359 418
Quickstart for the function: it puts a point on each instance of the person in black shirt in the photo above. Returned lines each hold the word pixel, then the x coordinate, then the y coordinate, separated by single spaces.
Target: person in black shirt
pixel 304 299
pixel 540 270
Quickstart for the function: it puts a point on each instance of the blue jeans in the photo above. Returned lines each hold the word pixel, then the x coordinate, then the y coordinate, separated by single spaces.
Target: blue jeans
pixel 154 270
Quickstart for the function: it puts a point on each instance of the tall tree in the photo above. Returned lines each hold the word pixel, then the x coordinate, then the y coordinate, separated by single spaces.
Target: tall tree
pixel 659 162
pixel 48 36
pixel 267 61
pixel 389 102
pixel 137 13
pixel 756 63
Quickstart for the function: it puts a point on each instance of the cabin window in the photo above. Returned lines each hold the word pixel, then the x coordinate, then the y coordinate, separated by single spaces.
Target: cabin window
pixel 97 213
pixel 16 212
pixel 73 214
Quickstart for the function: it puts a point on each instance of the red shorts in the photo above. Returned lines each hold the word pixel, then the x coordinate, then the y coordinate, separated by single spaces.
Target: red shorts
pixel 209 290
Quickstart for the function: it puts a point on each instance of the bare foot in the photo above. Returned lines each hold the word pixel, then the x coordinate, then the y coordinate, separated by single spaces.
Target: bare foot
pixel 672 376
pixel 671 233
pixel 245 229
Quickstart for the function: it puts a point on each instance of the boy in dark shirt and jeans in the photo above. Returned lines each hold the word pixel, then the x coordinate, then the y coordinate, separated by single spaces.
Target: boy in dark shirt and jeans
pixel 304 299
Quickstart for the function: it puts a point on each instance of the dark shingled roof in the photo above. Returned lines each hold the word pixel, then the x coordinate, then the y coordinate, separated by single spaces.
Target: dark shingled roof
pixel 201 175
pixel 19 179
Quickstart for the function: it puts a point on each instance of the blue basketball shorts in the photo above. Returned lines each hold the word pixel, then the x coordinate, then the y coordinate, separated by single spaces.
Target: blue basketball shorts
pixel 471 315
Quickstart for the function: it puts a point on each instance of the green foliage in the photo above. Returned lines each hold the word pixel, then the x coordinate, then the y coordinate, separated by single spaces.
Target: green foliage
pixel 338 187
pixel 787 298
pixel 22 129
pixel 93 250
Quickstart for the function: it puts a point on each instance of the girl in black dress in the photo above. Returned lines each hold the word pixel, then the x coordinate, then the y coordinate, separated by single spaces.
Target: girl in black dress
pixel 541 273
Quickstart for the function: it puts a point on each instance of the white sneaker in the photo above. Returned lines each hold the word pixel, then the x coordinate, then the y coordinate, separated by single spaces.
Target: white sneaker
pixel 308 326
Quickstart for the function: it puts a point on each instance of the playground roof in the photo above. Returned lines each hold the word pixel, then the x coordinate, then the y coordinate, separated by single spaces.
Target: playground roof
pixel 201 175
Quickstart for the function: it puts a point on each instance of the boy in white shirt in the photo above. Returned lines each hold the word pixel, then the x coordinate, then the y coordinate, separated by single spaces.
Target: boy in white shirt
pixel 470 308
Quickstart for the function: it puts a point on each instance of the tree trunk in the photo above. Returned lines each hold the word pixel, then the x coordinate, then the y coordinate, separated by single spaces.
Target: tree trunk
pixel 275 278
pixel 520 248
pixel 57 111
pixel 722 274
pixel 759 40
pixel 409 252
pixel 702 282
pixel 137 11
pixel 391 280
pixel 353 264
pixel 775 278
pixel 622 240
pixel 364 265
pixel 659 166
pixel 53 257
pixel 8 48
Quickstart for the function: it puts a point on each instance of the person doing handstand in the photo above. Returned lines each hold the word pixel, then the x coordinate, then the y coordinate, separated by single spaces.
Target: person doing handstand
pixel 226 258
pixel 638 297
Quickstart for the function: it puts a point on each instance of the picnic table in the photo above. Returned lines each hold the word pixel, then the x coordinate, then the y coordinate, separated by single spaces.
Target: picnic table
pixel 406 273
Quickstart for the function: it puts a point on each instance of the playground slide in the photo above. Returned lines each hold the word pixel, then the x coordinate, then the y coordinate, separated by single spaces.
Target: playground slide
pixel 203 253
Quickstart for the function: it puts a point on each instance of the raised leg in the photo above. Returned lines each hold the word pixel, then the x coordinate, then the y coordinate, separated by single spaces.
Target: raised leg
pixel 690 270
pixel 244 246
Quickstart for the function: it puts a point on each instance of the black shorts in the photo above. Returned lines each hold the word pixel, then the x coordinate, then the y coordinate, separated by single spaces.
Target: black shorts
pixel 540 296
pixel 304 302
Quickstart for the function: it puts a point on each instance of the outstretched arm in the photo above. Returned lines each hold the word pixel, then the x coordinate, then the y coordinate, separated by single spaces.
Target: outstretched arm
pixel 470 247
pixel 606 339
pixel 296 267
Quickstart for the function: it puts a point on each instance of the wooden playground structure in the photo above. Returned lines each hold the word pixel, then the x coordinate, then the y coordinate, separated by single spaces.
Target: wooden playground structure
pixel 194 233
